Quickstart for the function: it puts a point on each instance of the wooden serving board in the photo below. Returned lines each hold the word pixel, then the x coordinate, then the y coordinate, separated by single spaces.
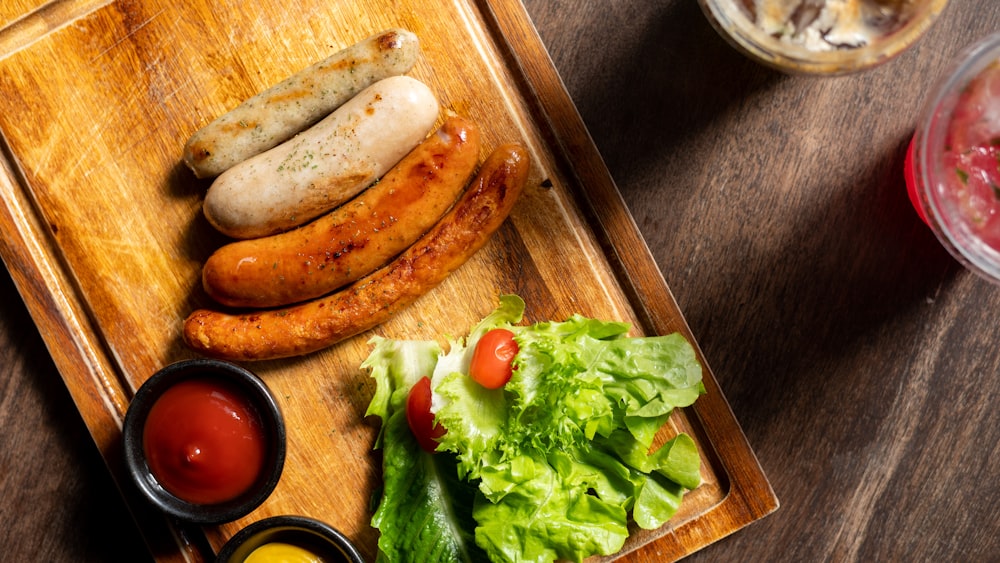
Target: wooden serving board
pixel 103 233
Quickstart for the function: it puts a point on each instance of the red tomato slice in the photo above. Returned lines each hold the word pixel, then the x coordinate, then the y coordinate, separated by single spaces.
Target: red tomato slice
pixel 492 360
pixel 420 417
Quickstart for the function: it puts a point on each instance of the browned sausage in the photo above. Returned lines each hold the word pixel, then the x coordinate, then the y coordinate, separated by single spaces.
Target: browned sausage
pixel 354 239
pixel 371 300
pixel 292 105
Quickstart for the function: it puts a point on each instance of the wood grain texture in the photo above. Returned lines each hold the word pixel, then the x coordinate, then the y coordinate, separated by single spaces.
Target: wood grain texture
pixel 860 359
pixel 27 22
pixel 104 238
pixel 55 488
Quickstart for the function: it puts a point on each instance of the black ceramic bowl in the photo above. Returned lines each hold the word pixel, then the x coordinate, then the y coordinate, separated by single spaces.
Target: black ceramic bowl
pixel 261 403
pixel 306 533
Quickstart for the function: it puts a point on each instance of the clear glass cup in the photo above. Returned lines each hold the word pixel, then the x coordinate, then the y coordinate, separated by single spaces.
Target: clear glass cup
pixel 822 37
pixel 952 168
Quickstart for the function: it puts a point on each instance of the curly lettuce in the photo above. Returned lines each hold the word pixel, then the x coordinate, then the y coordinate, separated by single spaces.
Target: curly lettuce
pixel 555 464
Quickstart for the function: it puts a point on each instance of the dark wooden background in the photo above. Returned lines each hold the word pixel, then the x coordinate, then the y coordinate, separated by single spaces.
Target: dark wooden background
pixel 861 360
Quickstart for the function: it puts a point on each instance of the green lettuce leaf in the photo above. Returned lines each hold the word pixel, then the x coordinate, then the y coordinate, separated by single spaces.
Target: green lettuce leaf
pixel 396 365
pixel 541 517
pixel 558 461
pixel 425 515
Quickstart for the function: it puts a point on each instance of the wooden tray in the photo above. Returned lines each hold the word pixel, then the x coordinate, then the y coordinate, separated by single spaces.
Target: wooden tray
pixel 103 233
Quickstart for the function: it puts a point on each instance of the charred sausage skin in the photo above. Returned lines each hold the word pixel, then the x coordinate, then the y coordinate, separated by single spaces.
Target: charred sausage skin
pixel 354 239
pixel 322 322
pixel 292 105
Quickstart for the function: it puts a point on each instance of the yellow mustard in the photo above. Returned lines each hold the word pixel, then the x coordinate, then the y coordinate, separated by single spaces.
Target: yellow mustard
pixel 278 552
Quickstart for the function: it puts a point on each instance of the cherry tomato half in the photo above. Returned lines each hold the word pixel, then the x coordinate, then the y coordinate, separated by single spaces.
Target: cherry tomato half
pixel 420 417
pixel 493 358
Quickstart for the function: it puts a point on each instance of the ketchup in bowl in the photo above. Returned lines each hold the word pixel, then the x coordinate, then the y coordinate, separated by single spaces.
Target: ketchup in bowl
pixel 953 165
pixel 204 441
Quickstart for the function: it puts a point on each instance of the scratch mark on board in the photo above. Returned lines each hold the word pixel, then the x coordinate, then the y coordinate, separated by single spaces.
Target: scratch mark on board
pixel 130 33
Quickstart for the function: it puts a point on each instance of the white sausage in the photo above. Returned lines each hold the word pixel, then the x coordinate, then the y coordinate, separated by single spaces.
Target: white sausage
pixel 325 165
pixel 276 114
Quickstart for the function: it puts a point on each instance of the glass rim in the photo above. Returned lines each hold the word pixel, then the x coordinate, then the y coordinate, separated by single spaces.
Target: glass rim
pixel 731 22
pixel 955 236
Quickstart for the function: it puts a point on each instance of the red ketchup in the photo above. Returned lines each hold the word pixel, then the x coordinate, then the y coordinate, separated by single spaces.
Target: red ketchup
pixel 204 441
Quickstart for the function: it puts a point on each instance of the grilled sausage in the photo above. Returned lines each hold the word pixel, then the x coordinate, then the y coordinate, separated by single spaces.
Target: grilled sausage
pixel 317 324
pixel 292 105
pixel 325 165
pixel 354 239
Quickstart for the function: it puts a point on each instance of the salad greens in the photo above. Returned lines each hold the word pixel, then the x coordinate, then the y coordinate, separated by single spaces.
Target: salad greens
pixel 551 466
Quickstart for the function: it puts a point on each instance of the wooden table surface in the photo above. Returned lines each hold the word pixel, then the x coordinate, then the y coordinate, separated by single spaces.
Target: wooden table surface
pixel 860 359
